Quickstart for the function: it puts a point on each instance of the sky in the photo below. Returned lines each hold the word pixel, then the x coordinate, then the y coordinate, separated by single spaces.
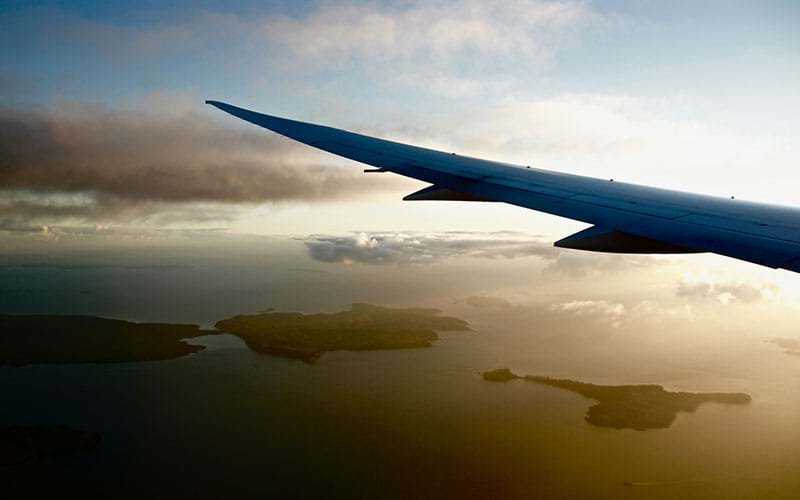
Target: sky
pixel 105 140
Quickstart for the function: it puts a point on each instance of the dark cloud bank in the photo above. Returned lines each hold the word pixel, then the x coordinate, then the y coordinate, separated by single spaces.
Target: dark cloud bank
pixel 91 162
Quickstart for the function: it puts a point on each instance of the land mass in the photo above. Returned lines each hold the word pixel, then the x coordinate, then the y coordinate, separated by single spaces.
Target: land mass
pixel 44 339
pixel 638 407
pixel 23 443
pixel 53 339
pixel 363 327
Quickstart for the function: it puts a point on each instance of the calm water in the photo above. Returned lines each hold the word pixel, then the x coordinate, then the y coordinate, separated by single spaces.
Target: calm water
pixel 403 424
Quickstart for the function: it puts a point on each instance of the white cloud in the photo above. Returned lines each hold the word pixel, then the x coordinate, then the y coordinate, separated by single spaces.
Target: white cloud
pixel 424 248
pixel 616 314
pixel 724 292
pixel 431 29
pixel 611 312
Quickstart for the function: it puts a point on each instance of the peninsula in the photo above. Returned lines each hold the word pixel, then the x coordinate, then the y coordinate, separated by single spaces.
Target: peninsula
pixel 638 407
pixel 363 327
pixel 46 339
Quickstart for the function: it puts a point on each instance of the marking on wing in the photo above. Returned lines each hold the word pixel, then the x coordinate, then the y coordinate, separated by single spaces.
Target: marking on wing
pixel 631 206
pixel 777 232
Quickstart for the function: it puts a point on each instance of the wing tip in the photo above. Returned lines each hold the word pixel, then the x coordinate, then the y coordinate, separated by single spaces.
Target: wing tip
pixel 244 114
pixel 216 104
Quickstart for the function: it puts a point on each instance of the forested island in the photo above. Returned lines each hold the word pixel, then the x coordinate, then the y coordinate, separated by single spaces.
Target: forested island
pixel 363 327
pixel 50 339
pixel 638 407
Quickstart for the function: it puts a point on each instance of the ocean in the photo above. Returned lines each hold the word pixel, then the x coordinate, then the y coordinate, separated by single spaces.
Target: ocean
pixel 417 423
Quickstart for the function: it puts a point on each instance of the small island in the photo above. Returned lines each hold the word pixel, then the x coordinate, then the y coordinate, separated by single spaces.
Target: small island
pixel 363 327
pixel 637 407
pixel 790 346
pixel 49 339
pixel 23 443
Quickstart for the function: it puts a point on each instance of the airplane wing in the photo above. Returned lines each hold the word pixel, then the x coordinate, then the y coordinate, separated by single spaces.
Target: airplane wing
pixel 625 218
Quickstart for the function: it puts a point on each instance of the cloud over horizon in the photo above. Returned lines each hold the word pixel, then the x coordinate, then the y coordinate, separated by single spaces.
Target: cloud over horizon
pixel 724 292
pixel 421 248
pixel 418 248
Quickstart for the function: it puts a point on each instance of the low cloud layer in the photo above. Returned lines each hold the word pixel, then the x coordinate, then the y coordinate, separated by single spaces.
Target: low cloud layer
pixel 420 248
pixel 724 292
pixel 602 310
pixel 415 248
pixel 92 163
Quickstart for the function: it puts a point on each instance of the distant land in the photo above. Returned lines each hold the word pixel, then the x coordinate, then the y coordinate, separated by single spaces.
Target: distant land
pixel 94 267
pixel 638 407
pixel 482 302
pixel 46 339
pixel 363 327
pixel 53 339
pixel 23 443
pixel 791 346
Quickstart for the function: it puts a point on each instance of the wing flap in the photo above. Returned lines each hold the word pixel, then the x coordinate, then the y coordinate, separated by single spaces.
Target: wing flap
pixel 440 193
pixel 600 239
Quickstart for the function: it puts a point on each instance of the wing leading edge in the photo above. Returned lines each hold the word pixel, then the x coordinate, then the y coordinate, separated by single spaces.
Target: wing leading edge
pixel 626 217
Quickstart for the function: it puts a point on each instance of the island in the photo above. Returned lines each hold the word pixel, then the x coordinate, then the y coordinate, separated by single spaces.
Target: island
pixel 482 302
pixel 638 407
pixel 362 327
pixel 23 443
pixel 790 346
pixel 49 339
pixel 58 339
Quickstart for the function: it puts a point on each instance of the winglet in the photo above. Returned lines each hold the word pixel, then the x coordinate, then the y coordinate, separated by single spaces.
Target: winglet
pixel 307 133
pixel 217 104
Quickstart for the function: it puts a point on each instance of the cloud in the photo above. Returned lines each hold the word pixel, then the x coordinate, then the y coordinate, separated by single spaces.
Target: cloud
pixel 579 264
pixel 92 162
pixel 438 29
pixel 422 248
pixel 611 312
pixel 416 248
pixel 445 48
pixel 724 292
pixel 464 43
pixel 615 314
